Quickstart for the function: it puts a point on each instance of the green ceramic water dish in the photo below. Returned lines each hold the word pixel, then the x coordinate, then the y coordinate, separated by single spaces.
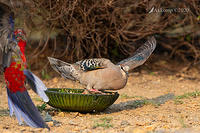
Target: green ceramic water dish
pixel 73 100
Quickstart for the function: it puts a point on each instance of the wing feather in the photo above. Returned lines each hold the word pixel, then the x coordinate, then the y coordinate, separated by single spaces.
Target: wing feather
pixel 7 39
pixel 92 64
pixel 21 104
pixel 140 55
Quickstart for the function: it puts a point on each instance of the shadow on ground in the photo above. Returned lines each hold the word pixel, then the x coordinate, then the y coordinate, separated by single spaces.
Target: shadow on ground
pixel 133 104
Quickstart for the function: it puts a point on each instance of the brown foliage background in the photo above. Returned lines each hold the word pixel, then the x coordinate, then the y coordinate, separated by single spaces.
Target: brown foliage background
pixel 77 29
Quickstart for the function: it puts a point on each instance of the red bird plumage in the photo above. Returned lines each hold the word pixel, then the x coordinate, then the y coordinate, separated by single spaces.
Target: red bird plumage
pixel 14 74
pixel 13 65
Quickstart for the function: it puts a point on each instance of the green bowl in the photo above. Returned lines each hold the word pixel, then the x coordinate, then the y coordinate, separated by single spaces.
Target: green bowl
pixel 73 100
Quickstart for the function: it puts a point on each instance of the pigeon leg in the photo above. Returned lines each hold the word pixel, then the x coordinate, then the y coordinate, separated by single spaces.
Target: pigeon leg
pixel 95 91
pixel 87 90
pixel 90 90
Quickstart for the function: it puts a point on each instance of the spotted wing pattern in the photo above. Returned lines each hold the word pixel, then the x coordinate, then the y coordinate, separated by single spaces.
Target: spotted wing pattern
pixel 91 64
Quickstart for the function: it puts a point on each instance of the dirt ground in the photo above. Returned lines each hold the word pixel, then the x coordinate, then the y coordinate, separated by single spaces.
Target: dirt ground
pixel 161 99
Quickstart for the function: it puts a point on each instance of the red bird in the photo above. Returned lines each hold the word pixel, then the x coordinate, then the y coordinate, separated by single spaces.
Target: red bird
pixel 13 65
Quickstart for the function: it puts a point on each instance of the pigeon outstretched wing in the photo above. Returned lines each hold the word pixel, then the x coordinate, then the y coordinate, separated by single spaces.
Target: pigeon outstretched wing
pixel 140 55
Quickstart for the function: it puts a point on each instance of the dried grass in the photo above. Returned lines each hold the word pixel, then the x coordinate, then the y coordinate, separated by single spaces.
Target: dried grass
pixel 76 29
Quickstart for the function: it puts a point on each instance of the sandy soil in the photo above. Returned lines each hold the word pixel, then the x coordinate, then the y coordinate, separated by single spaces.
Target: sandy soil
pixel 148 103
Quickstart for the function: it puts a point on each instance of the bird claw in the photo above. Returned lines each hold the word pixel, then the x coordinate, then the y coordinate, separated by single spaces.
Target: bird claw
pixel 92 91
